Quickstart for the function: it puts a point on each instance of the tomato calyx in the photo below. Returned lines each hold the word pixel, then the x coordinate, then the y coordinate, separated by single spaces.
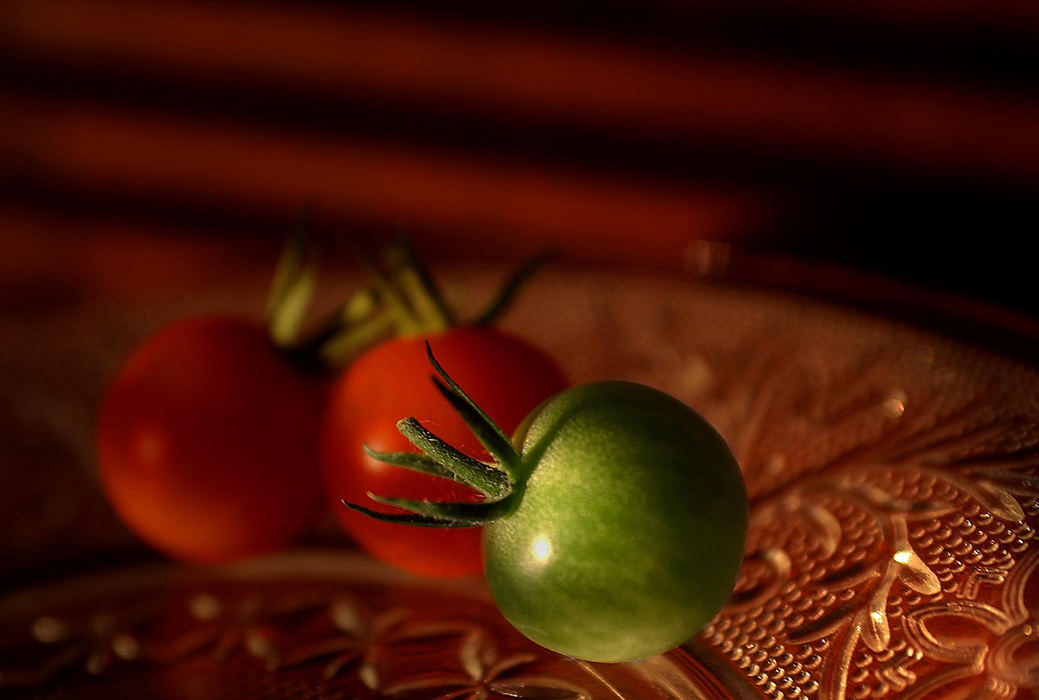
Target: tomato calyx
pixel 401 300
pixel 508 291
pixel 291 291
pixel 292 287
pixel 499 481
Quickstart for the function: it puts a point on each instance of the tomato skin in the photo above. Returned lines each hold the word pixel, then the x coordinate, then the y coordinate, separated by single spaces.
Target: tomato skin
pixel 207 442
pixel 507 377
pixel 628 535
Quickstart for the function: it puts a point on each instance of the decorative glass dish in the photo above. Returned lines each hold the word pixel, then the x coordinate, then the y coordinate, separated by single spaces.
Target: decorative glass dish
pixel 892 475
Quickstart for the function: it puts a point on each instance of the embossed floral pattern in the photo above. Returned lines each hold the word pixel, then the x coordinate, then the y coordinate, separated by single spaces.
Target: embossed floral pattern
pixel 484 674
pixel 93 641
pixel 928 516
pixel 345 638
pixel 894 485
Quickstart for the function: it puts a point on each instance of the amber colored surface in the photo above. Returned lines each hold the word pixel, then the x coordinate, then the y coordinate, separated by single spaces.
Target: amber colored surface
pixel 717 178
pixel 891 552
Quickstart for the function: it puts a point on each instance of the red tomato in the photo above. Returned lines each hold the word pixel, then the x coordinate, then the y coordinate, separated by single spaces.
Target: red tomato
pixel 207 442
pixel 505 375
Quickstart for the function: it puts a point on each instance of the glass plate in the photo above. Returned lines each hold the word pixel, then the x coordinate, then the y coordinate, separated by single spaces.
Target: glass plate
pixel 894 495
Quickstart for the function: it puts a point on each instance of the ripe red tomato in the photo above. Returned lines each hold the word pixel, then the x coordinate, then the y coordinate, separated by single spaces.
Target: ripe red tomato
pixel 207 442
pixel 505 375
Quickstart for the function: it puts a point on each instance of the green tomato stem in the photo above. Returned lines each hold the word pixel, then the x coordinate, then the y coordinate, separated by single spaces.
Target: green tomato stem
pixel 490 435
pixel 396 303
pixel 402 300
pixel 415 461
pixel 472 514
pixel 337 349
pixel 507 292
pixel 419 289
pixel 406 518
pixel 488 479
pixel 292 287
pixel 354 325
pixel 358 307
pixel 496 481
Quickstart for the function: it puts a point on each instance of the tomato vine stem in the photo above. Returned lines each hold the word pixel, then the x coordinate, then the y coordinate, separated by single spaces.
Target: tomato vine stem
pixel 417 285
pixel 402 299
pixel 511 287
pixel 292 286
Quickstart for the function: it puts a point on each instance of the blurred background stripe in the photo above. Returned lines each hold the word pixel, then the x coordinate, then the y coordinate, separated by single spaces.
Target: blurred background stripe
pixel 899 138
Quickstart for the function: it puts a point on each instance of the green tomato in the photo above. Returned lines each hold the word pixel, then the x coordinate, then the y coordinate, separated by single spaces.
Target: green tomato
pixel 627 533
pixel 614 532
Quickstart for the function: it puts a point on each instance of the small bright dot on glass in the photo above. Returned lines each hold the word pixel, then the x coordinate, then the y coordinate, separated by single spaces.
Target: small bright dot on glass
pixel 895 406
pixel 542 549
pixel 48 629
pixel 126 647
pixel 902 556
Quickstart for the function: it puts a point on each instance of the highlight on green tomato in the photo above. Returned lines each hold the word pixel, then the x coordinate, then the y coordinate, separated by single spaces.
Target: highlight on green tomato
pixel 614 522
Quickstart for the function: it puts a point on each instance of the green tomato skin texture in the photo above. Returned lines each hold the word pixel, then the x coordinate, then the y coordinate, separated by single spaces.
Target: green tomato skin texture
pixel 627 536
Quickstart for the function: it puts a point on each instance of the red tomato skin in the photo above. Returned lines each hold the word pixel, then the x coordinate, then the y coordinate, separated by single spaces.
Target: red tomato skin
pixel 504 374
pixel 207 442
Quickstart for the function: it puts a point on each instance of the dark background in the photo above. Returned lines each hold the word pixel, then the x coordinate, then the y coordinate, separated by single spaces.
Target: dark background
pixel 154 155
pixel 896 139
